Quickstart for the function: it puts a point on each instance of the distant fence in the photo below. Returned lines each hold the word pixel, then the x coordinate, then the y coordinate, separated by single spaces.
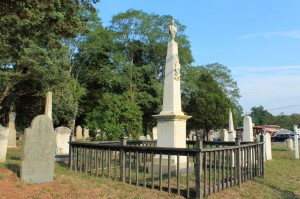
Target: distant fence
pixel 208 168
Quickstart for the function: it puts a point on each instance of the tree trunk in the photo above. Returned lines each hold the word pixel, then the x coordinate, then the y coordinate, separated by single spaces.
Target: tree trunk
pixel 4 94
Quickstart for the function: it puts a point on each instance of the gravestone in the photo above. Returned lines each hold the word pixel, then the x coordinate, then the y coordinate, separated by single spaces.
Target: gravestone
pixel 191 134
pixel 268 146
pixel 62 140
pixel 12 135
pixel 248 129
pixel 142 137
pixel 78 133
pixel 231 131
pixel 86 133
pixel 154 133
pixel 290 144
pixel 148 137
pixel 39 151
pixel 3 142
pixel 225 135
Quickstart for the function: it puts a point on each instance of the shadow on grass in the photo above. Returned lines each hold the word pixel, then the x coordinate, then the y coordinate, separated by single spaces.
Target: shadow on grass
pixel 16 157
pixel 14 168
pixel 63 164
pixel 279 149
pixel 283 193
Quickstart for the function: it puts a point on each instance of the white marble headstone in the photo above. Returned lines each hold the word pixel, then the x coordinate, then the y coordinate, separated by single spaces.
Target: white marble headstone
pixel 268 146
pixel 248 129
pixel 62 140
pixel 154 133
pixel 78 133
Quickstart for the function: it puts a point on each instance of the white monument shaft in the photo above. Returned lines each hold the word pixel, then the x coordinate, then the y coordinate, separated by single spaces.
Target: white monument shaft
pixel 171 122
pixel 172 95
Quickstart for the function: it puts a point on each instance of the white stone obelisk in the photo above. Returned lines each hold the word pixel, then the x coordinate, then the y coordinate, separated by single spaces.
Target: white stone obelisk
pixel 231 131
pixel 247 129
pixel 48 105
pixel 171 122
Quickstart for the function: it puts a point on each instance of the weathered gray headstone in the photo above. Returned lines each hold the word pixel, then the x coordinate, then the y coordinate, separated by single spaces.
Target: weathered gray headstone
pixel 3 142
pixel 12 136
pixel 39 151
pixel 62 140
pixel 78 133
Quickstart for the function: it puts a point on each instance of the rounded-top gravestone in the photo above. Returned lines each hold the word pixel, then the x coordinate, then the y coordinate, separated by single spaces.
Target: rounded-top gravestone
pixel 39 151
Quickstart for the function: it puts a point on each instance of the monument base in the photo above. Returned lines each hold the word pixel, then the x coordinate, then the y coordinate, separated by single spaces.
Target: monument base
pixel 183 168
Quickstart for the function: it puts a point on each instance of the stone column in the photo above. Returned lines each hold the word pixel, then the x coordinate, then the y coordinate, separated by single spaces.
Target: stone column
pixel 12 136
pixel 48 105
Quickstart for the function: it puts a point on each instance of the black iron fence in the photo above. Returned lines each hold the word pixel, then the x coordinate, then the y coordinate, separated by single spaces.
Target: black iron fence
pixel 197 171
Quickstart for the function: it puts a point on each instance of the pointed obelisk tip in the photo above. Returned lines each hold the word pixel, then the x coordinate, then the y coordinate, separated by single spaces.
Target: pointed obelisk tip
pixel 172 30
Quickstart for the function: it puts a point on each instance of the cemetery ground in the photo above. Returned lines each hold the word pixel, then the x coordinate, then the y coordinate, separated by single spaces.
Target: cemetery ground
pixel 282 180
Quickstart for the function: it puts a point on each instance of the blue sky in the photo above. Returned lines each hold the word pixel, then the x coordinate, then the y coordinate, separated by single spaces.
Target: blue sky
pixel 258 40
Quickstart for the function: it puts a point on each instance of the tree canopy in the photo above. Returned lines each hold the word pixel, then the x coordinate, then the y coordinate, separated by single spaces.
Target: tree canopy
pixel 109 78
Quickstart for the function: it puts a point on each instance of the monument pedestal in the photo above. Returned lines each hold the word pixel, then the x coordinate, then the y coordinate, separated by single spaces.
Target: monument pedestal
pixel 182 167
pixel 172 134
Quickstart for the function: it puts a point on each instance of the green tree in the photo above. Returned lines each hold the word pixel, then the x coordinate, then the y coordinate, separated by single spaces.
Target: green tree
pixel 141 40
pixel 284 121
pixel 222 75
pixel 127 57
pixel 260 116
pixel 207 104
pixel 35 57
pixel 115 114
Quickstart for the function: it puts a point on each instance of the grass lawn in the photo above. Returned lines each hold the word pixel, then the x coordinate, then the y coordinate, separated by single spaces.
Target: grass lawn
pixel 282 180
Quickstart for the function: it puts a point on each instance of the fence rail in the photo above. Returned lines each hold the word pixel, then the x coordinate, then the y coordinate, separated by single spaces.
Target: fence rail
pixel 193 172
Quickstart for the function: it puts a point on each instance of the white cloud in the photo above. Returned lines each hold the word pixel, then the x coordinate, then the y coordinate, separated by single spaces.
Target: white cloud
pixel 291 34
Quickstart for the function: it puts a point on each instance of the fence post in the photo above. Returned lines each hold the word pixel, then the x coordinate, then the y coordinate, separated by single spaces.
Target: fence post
pixel 123 142
pixel 262 154
pixel 238 159
pixel 71 152
pixel 198 169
